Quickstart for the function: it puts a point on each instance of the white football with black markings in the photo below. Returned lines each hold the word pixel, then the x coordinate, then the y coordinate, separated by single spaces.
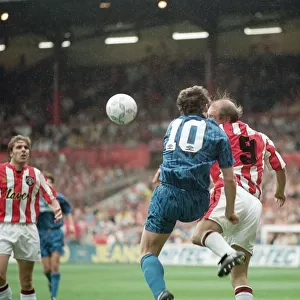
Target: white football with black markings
pixel 121 109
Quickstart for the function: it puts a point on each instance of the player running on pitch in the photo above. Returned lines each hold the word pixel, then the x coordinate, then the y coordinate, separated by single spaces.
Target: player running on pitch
pixel 52 237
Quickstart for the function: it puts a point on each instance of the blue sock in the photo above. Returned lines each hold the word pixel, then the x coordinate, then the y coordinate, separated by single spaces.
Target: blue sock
pixel 154 274
pixel 48 275
pixel 55 278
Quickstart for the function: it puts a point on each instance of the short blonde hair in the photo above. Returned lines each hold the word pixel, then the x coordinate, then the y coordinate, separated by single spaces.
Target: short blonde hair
pixel 229 108
pixel 17 138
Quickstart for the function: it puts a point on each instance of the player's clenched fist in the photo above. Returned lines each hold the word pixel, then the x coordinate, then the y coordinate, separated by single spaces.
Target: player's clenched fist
pixel 232 218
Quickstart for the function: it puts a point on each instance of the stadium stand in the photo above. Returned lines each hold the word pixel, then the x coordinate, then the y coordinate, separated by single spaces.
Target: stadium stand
pixel 269 105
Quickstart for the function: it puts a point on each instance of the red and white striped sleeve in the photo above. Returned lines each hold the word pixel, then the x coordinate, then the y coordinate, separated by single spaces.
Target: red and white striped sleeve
pixel 48 191
pixel 272 158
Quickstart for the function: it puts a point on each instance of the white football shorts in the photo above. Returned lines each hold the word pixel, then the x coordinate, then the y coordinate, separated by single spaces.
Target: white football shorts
pixel 247 207
pixel 21 239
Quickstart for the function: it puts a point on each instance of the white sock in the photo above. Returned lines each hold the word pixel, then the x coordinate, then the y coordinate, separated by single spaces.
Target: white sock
pixel 243 293
pixel 216 243
pixel 5 293
pixel 30 296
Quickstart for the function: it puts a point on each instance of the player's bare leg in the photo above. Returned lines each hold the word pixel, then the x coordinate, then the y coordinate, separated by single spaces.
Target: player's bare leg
pixel 208 234
pixel 239 278
pixel 55 274
pixel 151 245
pixel 25 277
pixel 5 291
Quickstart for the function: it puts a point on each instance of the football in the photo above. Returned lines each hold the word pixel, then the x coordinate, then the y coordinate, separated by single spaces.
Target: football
pixel 121 109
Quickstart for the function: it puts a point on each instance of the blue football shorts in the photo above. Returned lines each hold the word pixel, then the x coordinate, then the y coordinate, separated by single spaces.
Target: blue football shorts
pixel 51 240
pixel 170 204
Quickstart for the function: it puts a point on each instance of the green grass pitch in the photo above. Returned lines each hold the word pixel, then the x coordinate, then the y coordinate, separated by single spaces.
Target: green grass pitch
pixel 126 282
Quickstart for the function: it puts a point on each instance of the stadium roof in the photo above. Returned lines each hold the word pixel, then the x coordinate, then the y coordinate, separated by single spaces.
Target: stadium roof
pixel 48 17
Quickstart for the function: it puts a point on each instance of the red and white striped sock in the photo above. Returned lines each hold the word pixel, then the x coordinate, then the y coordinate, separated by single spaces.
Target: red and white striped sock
pixel 243 292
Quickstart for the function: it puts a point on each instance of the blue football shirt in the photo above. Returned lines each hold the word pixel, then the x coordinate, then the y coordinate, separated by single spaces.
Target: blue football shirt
pixel 46 217
pixel 192 144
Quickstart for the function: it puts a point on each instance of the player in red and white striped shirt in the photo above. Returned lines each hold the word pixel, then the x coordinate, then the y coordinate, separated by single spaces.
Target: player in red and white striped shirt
pixel 20 188
pixel 252 150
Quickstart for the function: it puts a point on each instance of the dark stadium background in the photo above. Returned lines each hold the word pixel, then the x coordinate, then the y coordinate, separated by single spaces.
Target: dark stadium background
pixel 57 96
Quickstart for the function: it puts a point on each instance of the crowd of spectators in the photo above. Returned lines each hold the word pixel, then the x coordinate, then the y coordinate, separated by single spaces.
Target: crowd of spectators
pixel 271 83
pixel 79 179
pixel 269 92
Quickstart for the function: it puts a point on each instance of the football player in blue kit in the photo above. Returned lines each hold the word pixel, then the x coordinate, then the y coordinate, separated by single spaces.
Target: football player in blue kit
pixel 52 238
pixel 192 144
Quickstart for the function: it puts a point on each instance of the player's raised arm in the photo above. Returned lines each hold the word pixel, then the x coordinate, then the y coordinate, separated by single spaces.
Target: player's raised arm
pixel 49 194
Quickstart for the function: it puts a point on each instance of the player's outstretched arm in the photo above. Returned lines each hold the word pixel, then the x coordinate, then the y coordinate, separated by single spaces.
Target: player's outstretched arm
pixel 230 193
pixel 281 182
